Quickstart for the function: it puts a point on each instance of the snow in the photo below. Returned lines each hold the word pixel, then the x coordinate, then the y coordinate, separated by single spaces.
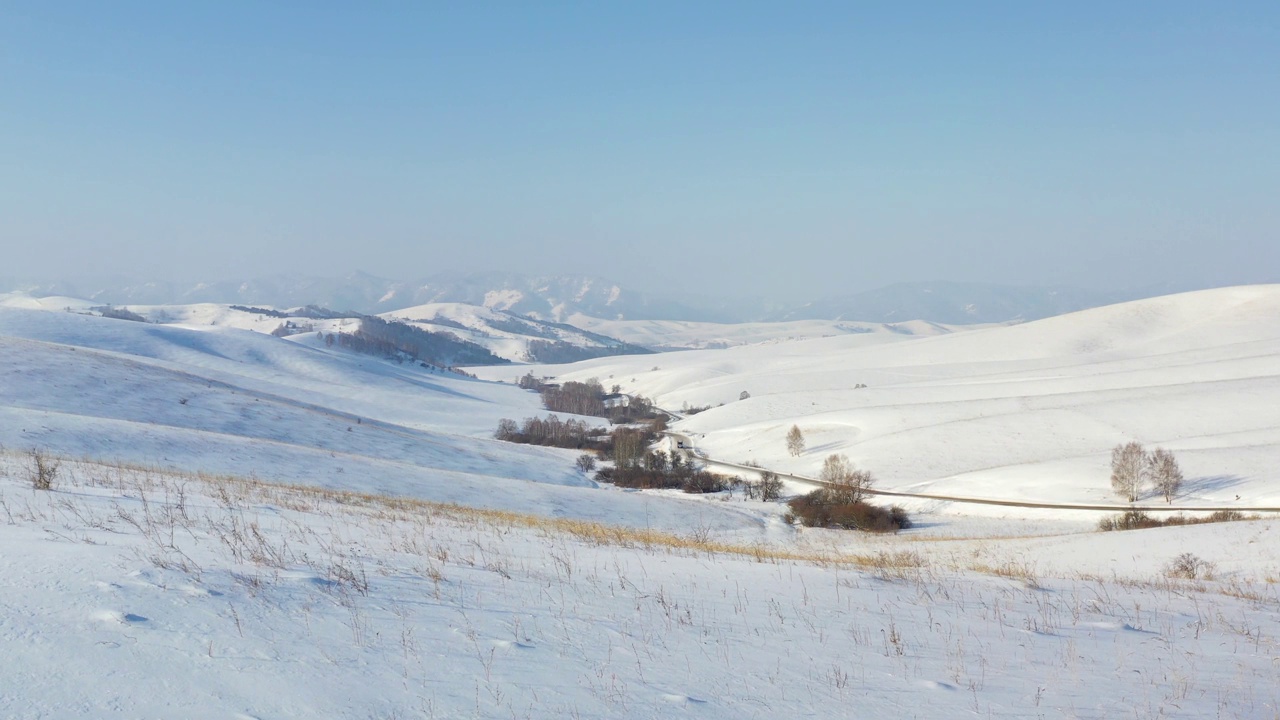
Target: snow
pixel 502 299
pixel 51 302
pixel 701 335
pixel 240 403
pixel 244 526
pixel 136 594
pixel 1023 412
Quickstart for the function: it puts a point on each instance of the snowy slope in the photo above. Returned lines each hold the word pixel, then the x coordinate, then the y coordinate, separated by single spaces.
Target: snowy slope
pixel 143 595
pixel 136 592
pixel 235 402
pixel 504 333
pixel 1021 412
pixel 674 334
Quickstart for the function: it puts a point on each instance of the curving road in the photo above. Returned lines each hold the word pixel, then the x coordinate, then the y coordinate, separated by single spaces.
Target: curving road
pixel 689 447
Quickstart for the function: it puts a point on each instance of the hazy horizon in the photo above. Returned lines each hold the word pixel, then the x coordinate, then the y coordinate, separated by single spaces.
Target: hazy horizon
pixel 723 149
pixel 96 282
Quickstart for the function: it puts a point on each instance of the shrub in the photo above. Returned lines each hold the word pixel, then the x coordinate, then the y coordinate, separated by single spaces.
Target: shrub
pixel 704 482
pixel 43 470
pixel 770 486
pixel 1188 567
pixel 1138 520
pixel 825 508
pixel 1128 520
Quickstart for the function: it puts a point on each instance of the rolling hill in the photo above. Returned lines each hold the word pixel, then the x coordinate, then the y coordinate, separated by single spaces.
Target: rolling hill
pixel 1028 411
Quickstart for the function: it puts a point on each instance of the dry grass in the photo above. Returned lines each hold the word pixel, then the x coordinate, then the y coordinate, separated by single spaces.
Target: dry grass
pixel 237 492
pixel 1021 571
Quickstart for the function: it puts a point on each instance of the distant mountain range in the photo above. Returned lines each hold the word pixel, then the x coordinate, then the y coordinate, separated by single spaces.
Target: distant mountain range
pixel 557 297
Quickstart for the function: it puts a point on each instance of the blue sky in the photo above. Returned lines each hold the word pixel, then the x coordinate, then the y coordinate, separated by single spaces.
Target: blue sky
pixel 794 149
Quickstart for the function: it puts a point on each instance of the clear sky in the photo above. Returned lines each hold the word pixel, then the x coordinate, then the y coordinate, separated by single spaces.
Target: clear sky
pixel 788 148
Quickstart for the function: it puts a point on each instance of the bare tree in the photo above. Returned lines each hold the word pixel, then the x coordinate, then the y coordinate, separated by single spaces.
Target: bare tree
pixel 795 441
pixel 770 486
pixel 586 462
pixel 1128 470
pixel 628 447
pixel 846 484
pixel 1165 474
pixel 744 395
pixel 507 429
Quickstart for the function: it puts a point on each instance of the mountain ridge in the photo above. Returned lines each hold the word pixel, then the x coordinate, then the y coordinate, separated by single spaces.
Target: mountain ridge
pixel 556 298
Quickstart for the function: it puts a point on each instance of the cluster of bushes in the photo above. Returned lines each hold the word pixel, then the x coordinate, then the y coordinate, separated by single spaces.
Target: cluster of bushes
pixel 842 503
pixel 823 508
pixel 634 465
pixel 551 431
pixel 119 313
pixel 656 469
pixel 1139 520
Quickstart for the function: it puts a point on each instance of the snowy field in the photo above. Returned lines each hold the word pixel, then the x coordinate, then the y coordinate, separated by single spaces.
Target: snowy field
pixel 702 335
pixel 1025 412
pixel 229 401
pixel 243 526
pixel 129 593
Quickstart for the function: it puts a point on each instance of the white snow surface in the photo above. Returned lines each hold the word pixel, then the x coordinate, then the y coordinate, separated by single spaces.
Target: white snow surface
pixel 1023 412
pixel 139 594
pixel 228 401
pixel 500 333
pixel 141 589
pixel 681 334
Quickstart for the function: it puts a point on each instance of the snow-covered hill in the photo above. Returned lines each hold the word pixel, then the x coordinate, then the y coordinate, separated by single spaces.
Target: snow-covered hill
pixel 228 401
pixel 505 334
pixel 156 586
pixel 1028 411
pixel 685 335
pixel 514 337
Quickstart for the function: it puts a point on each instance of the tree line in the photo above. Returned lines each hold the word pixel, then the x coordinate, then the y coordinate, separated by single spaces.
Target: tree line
pixel 588 398
pixel 551 431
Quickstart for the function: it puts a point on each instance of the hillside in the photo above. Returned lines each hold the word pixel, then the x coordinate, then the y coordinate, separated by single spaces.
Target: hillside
pixel 1028 411
pixel 227 401
pixel 686 335
pixel 281 529
pixel 515 337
